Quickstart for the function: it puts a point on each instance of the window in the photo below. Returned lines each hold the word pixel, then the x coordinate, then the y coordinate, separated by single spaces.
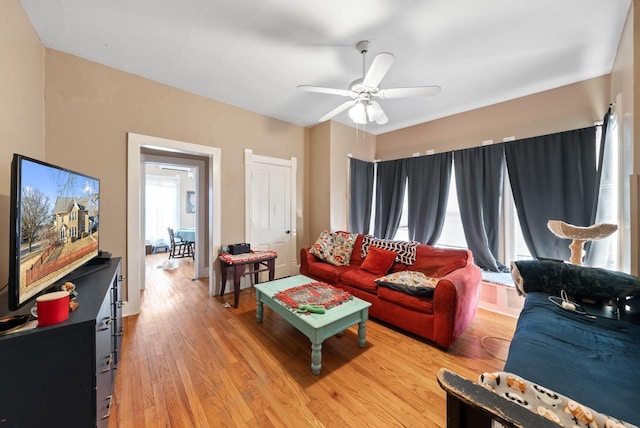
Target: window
pixel 402 234
pixel 161 206
pixel 452 232
pixel 604 253
pixel 514 245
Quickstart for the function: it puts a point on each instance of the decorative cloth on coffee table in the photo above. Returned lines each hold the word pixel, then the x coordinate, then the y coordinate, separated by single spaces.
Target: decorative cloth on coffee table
pixel 315 293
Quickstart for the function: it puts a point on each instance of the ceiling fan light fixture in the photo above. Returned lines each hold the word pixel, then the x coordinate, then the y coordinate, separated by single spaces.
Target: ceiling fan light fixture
pixel 374 112
pixel 358 114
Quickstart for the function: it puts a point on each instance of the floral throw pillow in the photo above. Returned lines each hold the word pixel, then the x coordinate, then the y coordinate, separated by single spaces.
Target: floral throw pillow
pixel 323 246
pixel 410 282
pixel 342 248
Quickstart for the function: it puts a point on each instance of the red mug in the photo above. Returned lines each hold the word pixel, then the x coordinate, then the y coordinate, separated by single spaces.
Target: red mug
pixel 52 308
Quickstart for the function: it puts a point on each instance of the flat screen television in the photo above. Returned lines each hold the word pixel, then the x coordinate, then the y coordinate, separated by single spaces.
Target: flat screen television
pixel 55 217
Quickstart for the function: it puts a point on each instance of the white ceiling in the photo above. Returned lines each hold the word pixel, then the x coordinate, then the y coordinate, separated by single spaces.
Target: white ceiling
pixel 253 53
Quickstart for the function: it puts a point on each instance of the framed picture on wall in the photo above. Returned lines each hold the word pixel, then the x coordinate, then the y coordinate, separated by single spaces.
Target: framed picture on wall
pixel 191 201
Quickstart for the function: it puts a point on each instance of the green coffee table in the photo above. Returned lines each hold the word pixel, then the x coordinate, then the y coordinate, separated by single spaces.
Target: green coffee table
pixel 317 327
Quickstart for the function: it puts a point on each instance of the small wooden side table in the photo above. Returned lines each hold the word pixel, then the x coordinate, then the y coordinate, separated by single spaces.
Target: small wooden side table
pixel 261 261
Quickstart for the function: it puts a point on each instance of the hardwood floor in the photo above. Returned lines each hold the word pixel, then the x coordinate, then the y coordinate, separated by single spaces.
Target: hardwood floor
pixel 187 361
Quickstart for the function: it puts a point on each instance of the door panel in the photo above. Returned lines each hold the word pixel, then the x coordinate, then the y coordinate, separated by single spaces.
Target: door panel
pixel 271 213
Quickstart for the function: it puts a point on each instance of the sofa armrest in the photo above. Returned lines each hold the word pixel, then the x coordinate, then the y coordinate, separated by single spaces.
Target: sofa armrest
pixel 455 301
pixel 306 258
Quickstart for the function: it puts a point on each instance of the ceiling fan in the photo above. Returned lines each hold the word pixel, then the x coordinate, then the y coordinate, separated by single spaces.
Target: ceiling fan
pixel 362 107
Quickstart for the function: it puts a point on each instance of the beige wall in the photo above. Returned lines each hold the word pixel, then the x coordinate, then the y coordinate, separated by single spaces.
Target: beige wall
pixel 21 105
pixel 345 141
pixel 319 184
pixel 329 147
pixel 568 107
pixel 622 92
pixel 90 108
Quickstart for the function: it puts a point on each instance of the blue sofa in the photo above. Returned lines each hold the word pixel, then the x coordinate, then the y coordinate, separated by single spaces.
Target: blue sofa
pixel 589 358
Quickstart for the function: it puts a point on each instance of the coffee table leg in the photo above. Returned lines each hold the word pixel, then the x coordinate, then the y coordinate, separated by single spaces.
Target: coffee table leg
pixel 258 307
pixel 362 333
pixel 316 358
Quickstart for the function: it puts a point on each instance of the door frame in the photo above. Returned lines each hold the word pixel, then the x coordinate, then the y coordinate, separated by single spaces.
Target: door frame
pixel 200 265
pixel 249 160
pixel 135 237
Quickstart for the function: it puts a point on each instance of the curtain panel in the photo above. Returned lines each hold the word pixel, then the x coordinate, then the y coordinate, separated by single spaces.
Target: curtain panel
pixel 428 179
pixel 391 181
pixel 552 177
pixel 479 182
pixel 361 175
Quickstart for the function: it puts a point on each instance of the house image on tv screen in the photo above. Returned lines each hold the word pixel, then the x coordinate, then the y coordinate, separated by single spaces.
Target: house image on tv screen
pixel 73 220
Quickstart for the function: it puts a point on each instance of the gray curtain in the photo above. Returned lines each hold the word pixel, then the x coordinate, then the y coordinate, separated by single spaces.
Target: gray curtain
pixel 428 179
pixel 553 178
pixel 390 184
pixel 360 195
pixel 479 179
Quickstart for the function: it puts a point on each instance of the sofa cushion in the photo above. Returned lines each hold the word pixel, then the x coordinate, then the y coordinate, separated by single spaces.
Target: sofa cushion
pixel 438 262
pixel 419 304
pixel 410 282
pixel 327 272
pixel 406 251
pixel 356 253
pixel 378 261
pixel 361 279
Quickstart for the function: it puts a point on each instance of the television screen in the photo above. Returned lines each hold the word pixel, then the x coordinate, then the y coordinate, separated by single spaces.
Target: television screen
pixel 55 217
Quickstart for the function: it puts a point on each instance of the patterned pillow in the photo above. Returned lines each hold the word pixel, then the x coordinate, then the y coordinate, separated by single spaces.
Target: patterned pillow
pixel 340 254
pixel 545 402
pixel 406 249
pixel 323 246
pixel 410 282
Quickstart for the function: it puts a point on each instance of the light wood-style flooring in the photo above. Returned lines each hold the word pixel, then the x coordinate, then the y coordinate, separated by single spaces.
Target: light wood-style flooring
pixel 187 361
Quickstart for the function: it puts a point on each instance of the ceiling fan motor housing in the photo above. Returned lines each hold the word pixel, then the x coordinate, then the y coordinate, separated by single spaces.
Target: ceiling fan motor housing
pixel 363 46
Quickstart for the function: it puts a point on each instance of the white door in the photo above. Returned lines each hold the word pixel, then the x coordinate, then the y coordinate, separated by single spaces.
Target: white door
pixel 270 213
pixel 269 210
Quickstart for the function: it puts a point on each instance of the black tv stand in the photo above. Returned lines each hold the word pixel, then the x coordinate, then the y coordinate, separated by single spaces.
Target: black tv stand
pixel 102 257
pixel 62 375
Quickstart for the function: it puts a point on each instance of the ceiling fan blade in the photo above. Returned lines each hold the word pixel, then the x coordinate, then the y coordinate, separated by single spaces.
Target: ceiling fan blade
pixel 336 111
pixel 379 68
pixel 414 91
pixel 332 91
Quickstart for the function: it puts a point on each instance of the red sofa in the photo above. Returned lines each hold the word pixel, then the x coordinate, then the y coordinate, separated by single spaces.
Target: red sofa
pixel 441 319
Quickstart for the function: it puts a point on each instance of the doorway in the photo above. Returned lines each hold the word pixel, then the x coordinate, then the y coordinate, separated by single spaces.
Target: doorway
pixel 179 184
pixel 137 144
